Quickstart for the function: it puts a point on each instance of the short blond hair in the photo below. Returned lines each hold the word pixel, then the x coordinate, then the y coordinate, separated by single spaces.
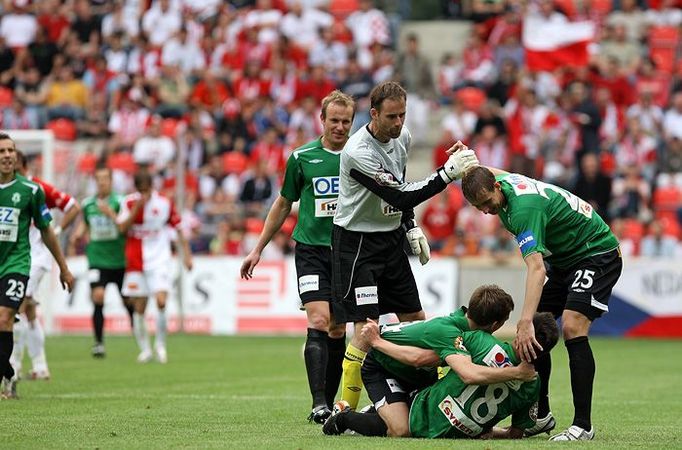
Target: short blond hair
pixel 339 98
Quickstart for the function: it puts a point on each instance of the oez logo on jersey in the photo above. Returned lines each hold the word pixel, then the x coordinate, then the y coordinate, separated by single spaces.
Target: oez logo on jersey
pixel 323 186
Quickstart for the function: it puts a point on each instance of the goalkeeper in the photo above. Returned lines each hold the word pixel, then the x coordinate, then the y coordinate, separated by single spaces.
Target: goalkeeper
pixel 370 271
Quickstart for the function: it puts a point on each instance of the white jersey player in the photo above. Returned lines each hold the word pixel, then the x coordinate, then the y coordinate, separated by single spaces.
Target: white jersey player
pixel 145 217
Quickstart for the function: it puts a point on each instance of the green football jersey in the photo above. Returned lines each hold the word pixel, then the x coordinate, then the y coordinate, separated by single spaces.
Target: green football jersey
pixel 451 409
pixel 312 176
pixel 21 201
pixel 106 246
pixel 549 220
pixel 437 333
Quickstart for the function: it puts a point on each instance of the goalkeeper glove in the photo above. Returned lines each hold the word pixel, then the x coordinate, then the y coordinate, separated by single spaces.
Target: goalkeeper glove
pixel 419 244
pixel 459 162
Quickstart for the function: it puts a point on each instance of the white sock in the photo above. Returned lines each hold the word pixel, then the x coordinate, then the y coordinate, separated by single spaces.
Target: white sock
pixel 161 329
pixel 19 344
pixel 35 342
pixel 140 331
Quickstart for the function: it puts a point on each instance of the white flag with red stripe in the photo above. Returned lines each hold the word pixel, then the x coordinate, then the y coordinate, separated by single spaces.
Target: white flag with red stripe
pixel 555 42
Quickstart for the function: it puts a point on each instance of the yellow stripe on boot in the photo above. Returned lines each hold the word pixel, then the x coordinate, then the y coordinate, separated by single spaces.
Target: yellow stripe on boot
pixel 351 382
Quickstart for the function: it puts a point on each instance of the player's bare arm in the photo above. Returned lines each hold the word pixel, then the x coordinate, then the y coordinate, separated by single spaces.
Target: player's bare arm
pixel 50 239
pixel 186 251
pixel 79 233
pixel 471 373
pixel 525 343
pixel 273 222
pixel 406 354
pixel 69 216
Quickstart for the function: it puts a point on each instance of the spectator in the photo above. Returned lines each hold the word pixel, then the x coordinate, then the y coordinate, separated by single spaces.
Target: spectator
pixel 269 151
pixel 630 18
pixel 526 119
pixel 7 64
pixel 368 25
pixel 284 83
pixel 667 15
pixel 672 120
pixel 586 117
pixel 161 22
pixel 631 195
pixel 86 27
pixel 209 93
pixel 476 68
pixel 257 190
pixel 17 117
pixel 119 20
pixel 656 244
pixel 94 124
pixel 301 25
pixel 32 92
pixel 637 148
pixel 649 115
pixel 500 246
pixel 650 79
pixel 127 123
pixel 116 55
pixel 616 45
pixel 317 85
pixel 227 240
pixel 18 28
pixel 593 186
pixel 326 52
pixel 184 53
pixel 266 19
pixel 53 19
pixel 42 52
pixel 66 96
pixel 154 149
pixel 173 92
pixel 459 123
pixel 491 148
pixel 628 247
pixel 358 84
pixel 413 72
pixel 439 220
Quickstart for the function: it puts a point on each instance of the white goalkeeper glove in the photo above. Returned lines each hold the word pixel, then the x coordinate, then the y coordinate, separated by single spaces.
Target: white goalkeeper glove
pixel 419 244
pixel 459 162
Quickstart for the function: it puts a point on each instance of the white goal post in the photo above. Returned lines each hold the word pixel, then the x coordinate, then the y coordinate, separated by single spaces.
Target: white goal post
pixel 37 142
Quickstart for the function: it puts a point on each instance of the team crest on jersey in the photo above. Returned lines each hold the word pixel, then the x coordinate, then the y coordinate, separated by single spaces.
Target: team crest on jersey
pixel 16 198
pixel 459 344
pixel 522 185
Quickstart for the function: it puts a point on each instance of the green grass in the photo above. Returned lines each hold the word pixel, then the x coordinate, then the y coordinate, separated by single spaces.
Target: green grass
pixel 247 392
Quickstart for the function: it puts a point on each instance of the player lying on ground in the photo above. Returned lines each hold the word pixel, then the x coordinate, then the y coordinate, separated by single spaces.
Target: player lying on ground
pixel 457 406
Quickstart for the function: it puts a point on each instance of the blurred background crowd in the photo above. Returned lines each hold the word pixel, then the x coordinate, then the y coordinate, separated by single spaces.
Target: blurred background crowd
pixel 222 91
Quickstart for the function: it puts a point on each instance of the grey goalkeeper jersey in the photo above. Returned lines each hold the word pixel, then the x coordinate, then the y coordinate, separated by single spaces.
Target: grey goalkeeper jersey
pixel 373 192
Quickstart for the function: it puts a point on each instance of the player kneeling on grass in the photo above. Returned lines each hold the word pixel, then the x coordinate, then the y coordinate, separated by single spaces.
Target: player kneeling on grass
pixel 459 406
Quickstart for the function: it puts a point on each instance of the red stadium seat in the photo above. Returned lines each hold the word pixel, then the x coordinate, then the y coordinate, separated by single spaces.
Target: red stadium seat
pixel 601 7
pixel 254 225
pixel 234 162
pixel 342 8
pixel 671 226
pixel 63 129
pixel 87 163
pixel 472 98
pixel 633 229
pixel 664 37
pixel 169 127
pixel 664 58
pixel 6 97
pixel 122 161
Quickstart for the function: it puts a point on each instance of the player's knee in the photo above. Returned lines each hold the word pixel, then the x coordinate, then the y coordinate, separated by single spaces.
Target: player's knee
pixel 318 321
pixel 398 430
pixel 337 330
pixel 572 329
pixel 98 296
pixel 6 319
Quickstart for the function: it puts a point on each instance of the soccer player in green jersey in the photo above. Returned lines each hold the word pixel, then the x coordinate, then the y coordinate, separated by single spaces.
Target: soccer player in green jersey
pixel 312 178
pixel 398 363
pixel 562 238
pixel 105 250
pixel 21 201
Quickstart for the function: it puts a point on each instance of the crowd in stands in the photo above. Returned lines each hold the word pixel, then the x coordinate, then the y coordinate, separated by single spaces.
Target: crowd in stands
pixel 230 88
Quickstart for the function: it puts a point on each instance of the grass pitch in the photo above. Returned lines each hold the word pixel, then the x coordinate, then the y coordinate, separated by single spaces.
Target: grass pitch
pixel 250 392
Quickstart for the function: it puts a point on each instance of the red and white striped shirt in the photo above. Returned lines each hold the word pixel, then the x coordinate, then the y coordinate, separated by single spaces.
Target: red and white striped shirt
pixel 148 243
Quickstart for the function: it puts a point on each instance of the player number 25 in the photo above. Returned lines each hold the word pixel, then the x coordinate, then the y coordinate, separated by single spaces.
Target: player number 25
pixel 583 279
